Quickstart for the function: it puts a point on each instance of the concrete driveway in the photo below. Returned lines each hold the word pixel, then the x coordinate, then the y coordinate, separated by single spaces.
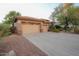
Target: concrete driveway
pixel 56 44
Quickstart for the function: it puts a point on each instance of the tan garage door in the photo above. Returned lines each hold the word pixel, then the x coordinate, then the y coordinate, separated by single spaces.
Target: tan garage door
pixel 30 28
pixel 45 28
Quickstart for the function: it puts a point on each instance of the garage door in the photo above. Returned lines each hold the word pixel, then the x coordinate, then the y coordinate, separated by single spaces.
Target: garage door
pixel 30 28
pixel 45 28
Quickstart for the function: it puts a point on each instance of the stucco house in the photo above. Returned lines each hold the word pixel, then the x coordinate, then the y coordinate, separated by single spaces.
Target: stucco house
pixel 30 25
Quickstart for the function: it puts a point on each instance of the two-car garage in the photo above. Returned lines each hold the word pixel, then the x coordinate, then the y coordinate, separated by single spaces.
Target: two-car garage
pixel 30 25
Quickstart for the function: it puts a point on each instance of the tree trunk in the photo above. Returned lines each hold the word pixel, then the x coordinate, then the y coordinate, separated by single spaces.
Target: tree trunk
pixel 66 24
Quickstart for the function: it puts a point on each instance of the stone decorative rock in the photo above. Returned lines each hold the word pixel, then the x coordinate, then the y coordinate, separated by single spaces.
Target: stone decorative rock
pixel 11 53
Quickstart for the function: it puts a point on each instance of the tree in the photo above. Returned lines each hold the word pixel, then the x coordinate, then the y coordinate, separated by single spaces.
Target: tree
pixel 10 17
pixel 73 16
pixel 69 16
pixel 5 26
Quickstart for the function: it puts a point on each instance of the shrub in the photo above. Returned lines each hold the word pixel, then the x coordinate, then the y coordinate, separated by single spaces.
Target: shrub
pixel 53 29
pixel 76 30
pixel 56 30
pixel 58 27
pixel 4 30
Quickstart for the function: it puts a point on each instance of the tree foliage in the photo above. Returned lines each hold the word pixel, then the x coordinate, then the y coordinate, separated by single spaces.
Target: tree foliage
pixel 4 30
pixel 5 26
pixel 70 17
pixel 10 17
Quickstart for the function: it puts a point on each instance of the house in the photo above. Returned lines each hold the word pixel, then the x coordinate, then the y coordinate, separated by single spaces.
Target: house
pixel 30 25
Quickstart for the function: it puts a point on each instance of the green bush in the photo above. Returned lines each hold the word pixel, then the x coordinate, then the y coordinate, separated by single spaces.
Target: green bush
pixel 4 30
pixel 53 29
pixel 58 27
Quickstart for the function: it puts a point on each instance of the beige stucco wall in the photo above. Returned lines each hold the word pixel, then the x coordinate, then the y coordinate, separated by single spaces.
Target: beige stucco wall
pixel 18 27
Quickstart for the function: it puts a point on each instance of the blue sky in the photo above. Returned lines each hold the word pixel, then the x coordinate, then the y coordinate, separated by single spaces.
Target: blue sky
pixel 76 4
pixel 39 10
